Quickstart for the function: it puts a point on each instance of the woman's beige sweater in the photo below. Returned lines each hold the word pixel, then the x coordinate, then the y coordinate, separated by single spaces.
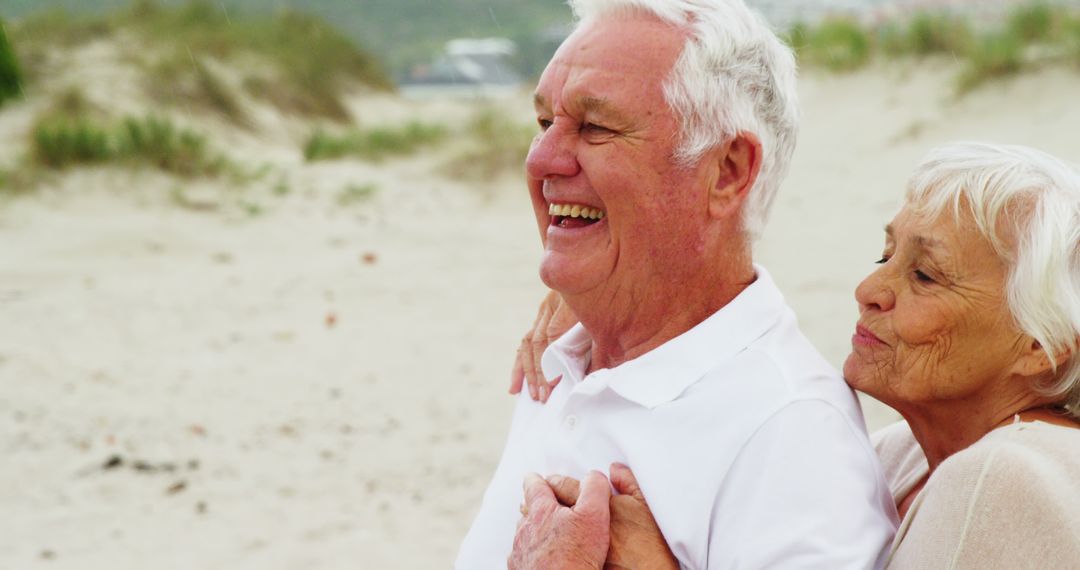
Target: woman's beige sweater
pixel 1011 500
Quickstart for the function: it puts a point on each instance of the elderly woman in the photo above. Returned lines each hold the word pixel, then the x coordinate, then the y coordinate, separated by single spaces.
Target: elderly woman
pixel 969 328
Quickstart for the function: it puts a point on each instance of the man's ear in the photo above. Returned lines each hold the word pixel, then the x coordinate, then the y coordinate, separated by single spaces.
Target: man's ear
pixel 1035 362
pixel 739 163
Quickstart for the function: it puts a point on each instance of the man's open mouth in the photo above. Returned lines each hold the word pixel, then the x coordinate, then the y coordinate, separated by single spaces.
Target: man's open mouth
pixel 574 215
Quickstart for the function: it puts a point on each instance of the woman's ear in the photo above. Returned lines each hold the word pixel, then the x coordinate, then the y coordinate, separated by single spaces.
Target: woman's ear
pixel 1034 361
pixel 739 163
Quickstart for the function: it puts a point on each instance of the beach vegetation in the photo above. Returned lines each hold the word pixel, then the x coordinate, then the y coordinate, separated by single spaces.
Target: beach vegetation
pixel 891 39
pixel 357 193
pixel 935 33
pixel 180 79
pixel 60 142
pixel 373 144
pixel 291 60
pixel 11 78
pixel 1033 23
pixel 1070 36
pixel 58 28
pixel 62 139
pixel 838 45
pixel 798 36
pixel 494 145
pixel 312 63
pixel 994 56
pixel 983 54
pixel 158 143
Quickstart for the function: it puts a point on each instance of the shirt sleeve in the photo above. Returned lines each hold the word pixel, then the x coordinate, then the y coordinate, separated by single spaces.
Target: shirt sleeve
pixel 804 492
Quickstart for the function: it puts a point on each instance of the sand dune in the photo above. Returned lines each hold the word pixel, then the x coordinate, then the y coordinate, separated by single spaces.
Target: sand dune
pixel 319 386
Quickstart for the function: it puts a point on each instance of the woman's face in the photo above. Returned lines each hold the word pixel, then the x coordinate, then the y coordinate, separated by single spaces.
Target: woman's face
pixel 933 321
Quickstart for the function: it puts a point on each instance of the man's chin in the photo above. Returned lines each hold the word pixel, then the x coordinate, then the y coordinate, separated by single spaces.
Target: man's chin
pixel 568 276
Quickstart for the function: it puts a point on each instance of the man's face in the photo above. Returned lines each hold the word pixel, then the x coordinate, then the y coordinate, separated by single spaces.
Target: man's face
pixel 606 146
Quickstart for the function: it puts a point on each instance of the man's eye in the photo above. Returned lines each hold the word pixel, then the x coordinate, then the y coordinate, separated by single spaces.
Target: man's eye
pixel 595 128
pixel 544 124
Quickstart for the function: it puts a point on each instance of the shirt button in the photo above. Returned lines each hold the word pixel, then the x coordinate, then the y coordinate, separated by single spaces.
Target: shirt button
pixel 570 422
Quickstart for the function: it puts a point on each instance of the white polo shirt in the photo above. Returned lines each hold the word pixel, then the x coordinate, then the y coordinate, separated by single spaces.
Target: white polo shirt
pixel 749 448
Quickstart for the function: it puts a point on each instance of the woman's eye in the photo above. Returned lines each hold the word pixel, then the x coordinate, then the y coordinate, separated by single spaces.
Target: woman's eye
pixel 883 260
pixel 922 276
pixel 544 124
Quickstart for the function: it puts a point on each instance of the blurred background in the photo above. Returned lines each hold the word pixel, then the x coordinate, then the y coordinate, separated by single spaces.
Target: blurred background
pixel 264 264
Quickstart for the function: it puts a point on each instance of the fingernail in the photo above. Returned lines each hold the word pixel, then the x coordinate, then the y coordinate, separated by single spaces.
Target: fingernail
pixel 543 393
pixel 555 479
pixel 532 391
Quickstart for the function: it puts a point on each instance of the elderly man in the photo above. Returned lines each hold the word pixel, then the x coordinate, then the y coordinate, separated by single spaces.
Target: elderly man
pixel 666 127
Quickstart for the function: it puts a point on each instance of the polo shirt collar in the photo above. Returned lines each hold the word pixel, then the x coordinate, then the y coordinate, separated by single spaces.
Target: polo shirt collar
pixel 662 374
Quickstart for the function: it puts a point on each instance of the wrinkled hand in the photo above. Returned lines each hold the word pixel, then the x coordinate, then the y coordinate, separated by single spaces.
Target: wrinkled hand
pixel 553 320
pixel 636 540
pixel 551 535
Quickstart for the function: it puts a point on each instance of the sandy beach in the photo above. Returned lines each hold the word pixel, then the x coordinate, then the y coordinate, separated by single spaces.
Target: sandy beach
pixel 279 381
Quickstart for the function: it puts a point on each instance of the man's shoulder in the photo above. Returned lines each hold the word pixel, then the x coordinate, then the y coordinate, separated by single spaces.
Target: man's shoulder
pixel 782 366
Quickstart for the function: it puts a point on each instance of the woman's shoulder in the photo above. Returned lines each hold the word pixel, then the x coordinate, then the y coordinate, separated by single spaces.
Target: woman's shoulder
pixel 1019 454
pixel 1009 500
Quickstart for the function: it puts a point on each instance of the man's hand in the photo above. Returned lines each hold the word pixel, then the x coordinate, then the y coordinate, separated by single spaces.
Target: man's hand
pixel 551 535
pixel 553 320
pixel 636 541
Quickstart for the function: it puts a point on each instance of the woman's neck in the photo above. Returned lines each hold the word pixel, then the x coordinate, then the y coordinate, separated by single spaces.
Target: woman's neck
pixel 938 448
pixel 943 432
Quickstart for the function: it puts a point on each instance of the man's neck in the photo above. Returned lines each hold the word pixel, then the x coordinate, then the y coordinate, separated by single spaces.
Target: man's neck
pixel 626 324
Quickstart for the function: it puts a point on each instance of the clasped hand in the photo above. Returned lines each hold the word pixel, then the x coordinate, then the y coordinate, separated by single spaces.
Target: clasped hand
pixel 582 525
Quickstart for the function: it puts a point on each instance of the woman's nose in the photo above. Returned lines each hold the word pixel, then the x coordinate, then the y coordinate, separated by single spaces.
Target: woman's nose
pixel 875 291
pixel 552 154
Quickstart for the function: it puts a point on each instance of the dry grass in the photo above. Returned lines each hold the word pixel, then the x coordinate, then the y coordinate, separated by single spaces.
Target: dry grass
pixel 373 144
pixel 496 145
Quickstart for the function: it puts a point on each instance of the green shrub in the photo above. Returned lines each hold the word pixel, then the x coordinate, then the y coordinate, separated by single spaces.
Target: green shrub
pixel 157 142
pixel 10 75
pixel 1070 34
pixel 840 45
pixel 373 144
pixel 798 36
pixel 993 56
pixel 930 34
pixel 60 142
pixel 1032 22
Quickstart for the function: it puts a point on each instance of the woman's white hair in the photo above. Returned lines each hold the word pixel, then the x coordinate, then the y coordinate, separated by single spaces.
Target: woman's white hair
pixel 734 75
pixel 1027 204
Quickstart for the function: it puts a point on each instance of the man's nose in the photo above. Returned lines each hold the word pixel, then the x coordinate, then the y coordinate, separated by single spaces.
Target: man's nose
pixel 553 154
pixel 876 291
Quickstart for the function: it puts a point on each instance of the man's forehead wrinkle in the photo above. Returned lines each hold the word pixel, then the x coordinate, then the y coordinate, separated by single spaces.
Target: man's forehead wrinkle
pixel 597 105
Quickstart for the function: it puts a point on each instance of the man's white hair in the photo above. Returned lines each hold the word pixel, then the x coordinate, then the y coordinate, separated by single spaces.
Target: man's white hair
pixel 734 75
pixel 1027 204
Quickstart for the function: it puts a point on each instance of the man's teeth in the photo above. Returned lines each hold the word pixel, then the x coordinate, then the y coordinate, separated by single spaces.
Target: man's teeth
pixel 575 211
